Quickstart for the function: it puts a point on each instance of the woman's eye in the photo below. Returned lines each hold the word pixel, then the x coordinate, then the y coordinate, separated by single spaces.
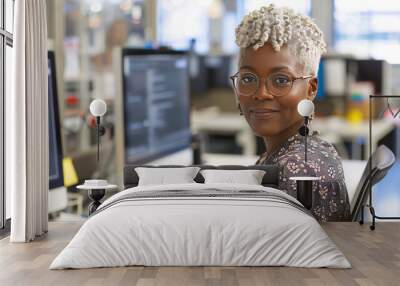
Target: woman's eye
pixel 247 79
pixel 281 80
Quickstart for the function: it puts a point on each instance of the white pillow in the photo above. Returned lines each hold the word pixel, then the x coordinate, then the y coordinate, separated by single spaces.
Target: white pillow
pixel 162 176
pixel 248 177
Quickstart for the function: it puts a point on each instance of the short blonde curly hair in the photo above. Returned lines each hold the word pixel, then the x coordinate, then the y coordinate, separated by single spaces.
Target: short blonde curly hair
pixel 279 27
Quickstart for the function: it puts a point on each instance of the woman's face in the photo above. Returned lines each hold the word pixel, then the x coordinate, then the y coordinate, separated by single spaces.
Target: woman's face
pixel 270 115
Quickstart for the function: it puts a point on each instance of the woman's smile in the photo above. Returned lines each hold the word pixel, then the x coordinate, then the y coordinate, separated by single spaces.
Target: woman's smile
pixel 263 113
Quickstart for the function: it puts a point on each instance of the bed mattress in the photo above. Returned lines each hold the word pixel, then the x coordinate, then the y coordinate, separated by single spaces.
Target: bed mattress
pixel 201 225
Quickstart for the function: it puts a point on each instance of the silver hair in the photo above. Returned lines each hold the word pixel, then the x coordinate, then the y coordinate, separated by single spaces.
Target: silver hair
pixel 279 27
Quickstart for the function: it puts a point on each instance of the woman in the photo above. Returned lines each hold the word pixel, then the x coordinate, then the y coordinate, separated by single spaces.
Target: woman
pixel 280 52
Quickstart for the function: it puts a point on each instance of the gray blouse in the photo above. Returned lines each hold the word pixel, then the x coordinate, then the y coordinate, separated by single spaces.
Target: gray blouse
pixel 330 198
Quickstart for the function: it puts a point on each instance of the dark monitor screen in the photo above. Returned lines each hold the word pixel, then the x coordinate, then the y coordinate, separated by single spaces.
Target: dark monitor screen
pixel 219 69
pixel 56 178
pixel 155 103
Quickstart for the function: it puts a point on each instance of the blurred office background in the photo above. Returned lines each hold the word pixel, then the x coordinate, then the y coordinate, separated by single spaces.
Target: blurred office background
pixel 87 37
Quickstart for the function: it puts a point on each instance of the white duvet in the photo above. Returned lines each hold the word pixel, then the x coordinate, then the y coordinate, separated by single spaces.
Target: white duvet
pixel 200 231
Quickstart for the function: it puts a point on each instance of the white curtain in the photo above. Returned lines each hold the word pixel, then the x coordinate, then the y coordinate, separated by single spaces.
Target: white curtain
pixel 27 172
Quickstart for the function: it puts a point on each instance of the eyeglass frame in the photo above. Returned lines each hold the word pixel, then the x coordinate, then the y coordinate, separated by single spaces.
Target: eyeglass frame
pixel 264 79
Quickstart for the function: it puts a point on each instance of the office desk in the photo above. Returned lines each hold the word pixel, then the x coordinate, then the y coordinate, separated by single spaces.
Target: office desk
pixel 354 132
pixel 225 123
pixel 228 159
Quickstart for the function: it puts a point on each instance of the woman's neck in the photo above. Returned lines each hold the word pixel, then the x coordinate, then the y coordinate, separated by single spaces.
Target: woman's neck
pixel 272 143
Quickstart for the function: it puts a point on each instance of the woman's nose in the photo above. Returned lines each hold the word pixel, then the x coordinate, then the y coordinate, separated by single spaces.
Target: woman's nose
pixel 262 93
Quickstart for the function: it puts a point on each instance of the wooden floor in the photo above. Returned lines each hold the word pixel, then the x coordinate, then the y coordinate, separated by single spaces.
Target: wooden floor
pixel 375 257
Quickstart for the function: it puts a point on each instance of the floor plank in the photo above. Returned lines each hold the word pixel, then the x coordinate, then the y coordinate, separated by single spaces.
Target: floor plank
pixel 374 255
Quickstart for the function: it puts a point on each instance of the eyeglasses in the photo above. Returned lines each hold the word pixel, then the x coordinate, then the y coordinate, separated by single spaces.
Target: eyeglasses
pixel 278 84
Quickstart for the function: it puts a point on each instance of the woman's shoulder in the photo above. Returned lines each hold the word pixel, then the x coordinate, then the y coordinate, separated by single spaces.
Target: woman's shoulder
pixel 319 151
pixel 322 156
pixel 316 146
pixel 323 148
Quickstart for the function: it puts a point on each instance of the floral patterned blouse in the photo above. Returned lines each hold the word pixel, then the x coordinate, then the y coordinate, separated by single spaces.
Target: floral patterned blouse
pixel 330 198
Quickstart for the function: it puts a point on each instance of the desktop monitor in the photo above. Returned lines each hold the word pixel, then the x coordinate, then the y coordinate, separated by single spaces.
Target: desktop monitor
pixel 198 75
pixel 58 195
pixel 154 106
pixel 219 69
pixel 55 151
pixel 210 72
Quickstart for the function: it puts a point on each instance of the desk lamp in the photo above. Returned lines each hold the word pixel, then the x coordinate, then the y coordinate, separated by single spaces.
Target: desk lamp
pixel 97 188
pixel 305 108
pixel 98 108
pixel 304 184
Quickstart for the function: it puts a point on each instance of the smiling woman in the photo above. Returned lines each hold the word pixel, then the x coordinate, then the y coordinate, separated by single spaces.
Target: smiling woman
pixel 280 52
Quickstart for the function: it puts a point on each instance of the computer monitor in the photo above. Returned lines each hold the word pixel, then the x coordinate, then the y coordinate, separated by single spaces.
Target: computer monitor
pixel 155 107
pixel 198 75
pixel 56 178
pixel 219 69
pixel 58 195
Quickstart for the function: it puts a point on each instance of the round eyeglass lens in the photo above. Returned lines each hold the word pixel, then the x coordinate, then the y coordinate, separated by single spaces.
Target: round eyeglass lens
pixel 246 83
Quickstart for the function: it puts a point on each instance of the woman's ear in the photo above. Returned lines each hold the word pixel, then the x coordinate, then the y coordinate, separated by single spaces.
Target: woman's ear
pixel 312 88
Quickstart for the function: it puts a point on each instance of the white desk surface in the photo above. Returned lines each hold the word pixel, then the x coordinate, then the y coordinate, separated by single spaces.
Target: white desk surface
pixel 225 123
pixel 222 122
pixel 229 159
pixel 352 169
pixel 348 130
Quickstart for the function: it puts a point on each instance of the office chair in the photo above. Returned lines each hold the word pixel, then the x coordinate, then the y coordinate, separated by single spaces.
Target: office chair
pixel 381 161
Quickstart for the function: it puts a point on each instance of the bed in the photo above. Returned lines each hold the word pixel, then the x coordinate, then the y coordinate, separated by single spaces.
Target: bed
pixel 201 224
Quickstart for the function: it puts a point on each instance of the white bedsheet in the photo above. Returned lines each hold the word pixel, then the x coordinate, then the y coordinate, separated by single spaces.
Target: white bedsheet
pixel 206 231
